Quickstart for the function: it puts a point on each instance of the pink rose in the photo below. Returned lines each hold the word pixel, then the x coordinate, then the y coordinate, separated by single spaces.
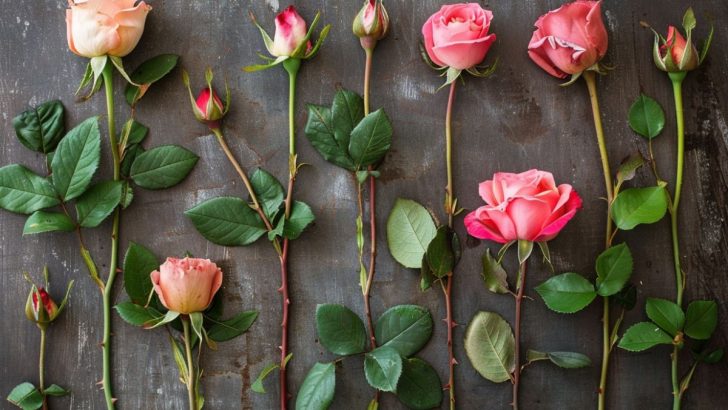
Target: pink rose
pixel 187 285
pixel 290 32
pixel 526 206
pixel 208 106
pixel 372 22
pixel 457 35
pixel 100 27
pixel 570 39
pixel 678 59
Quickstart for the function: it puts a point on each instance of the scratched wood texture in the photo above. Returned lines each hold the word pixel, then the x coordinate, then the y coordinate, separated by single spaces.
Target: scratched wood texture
pixel 518 119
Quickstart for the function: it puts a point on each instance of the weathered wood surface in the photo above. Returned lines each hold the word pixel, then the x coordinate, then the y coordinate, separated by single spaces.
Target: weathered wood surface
pixel 518 119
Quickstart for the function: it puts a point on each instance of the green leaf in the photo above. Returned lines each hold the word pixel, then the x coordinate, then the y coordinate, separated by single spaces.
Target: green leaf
pixel 440 256
pixel 130 155
pixel 257 385
pixel 569 360
pixel 627 297
pixel 162 167
pixel 41 128
pixel 642 336
pixel 147 73
pixel 614 268
pixel 567 293
pixel 139 262
pixel 320 132
pixel 404 328
pixel 646 117
pixel 494 276
pixel 713 357
pixel 127 195
pixel 301 217
pixel 419 385
pixel 138 315
pixel 317 389
pixel 370 139
pixel 346 113
pixel 227 221
pixel 24 192
pixel 268 190
pixel 382 368
pixel 232 328
pixel 98 203
pixel 410 229
pixel 55 390
pixel 137 132
pixel 490 346
pixel 426 276
pixel 26 396
pixel 42 221
pixel 666 314
pixel 628 168
pixel 76 159
pixel 637 206
pixel 340 330
pixel 701 320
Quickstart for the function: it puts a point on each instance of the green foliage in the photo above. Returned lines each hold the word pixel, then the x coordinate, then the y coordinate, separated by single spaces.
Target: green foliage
pixel 567 293
pixel 440 255
pixel 229 329
pixel 139 263
pixel 666 314
pixel 494 276
pixel 320 132
pixel 419 385
pixel 382 368
pixel 370 139
pixel 646 117
pixel 26 396
pixel 410 229
pixel 98 203
pixel 340 330
pixel 227 221
pixel 614 268
pixel 41 128
pixel 490 346
pixel 566 360
pixel 642 336
pixel 636 206
pixel 42 221
pixel 701 319
pixel 162 167
pixel 147 73
pixel 138 315
pixel 24 192
pixel 76 159
pixel 317 389
pixel 404 328
pixel 269 192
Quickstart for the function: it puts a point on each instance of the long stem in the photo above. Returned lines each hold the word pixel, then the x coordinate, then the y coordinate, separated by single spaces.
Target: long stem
pixel 450 211
pixel 191 375
pixel 517 354
pixel 589 76
pixel 677 79
pixel 109 286
pixel 41 367
pixel 292 66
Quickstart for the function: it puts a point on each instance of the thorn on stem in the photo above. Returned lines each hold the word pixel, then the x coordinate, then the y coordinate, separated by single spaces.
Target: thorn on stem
pixel 454 361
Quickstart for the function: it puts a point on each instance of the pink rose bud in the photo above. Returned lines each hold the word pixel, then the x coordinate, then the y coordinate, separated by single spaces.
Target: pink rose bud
pixel 290 33
pixel 526 206
pixel 570 39
pixel 40 308
pixel 187 285
pixel 105 27
pixel 208 107
pixel 371 24
pixel 457 35
pixel 676 54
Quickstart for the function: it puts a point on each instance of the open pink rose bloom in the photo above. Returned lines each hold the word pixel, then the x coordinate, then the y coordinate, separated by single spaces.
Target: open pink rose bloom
pixel 526 206
pixel 100 27
pixel 457 35
pixel 570 39
pixel 187 285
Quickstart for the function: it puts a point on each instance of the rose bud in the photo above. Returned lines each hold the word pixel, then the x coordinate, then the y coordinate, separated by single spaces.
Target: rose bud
pixel 105 27
pixel 187 285
pixel 570 39
pixel 290 34
pixel 371 24
pixel 457 35
pixel 675 53
pixel 208 107
pixel 40 308
pixel 526 206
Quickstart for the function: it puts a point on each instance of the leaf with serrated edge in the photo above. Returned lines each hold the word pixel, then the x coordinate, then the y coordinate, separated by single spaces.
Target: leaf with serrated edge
pixel 419 385
pixel 702 319
pixel 567 293
pixel 42 221
pixel 317 389
pixel 405 328
pixel 666 314
pixel 227 221
pixel 162 167
pixel 494 276
pixel 22 191
pixel 614 268
pixel 222 331
pixel 340 330
pixel 637 206
pixel 370 139
pixel 642 336
pixel 490 346
pixel 98 203
pixel 26 396
pixel 382 368
pixel 410 229
pixel 76 159
pixel 41 128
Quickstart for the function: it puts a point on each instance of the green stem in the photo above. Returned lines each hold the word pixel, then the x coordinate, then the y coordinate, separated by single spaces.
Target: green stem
pixel 367 75
pixel 517 354
pixel 677 79
pixel 590 79
pixel 109 286
pixel 41 367
pixel 191 375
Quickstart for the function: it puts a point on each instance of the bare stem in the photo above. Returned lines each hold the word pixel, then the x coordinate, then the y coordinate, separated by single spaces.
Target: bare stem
pixel 191 374
pixel 517 355
pixel 41 367
pixel 450 323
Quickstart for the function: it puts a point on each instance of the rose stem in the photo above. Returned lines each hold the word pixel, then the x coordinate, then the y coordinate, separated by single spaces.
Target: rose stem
pixel 677 79
pixel 517 356
pixel 449 209
pixel 589 76
pixel 291 66
pixel 109 286
pixel 191 376
pixel 41 361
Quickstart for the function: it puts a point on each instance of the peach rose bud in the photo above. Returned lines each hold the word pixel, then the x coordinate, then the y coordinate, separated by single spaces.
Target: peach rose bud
pixel 105 27
pixel 187 285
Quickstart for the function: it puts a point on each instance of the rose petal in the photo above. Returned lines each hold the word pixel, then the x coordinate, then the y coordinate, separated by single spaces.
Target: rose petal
pixel 464 55
pixel 479 229
pixel 131 27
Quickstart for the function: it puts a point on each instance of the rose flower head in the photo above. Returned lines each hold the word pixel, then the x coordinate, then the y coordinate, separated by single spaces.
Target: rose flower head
pixel 187 285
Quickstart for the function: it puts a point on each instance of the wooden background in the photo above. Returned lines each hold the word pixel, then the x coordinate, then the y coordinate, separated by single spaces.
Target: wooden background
pixel 518 119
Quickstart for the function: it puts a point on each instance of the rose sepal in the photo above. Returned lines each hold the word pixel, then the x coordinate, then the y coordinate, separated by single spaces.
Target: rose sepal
pixel 40 307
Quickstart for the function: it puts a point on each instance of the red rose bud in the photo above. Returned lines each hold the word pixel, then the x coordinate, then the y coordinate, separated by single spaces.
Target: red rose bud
pixel 40 308
pixel 371 24
pixel 208 107
pixel 675 54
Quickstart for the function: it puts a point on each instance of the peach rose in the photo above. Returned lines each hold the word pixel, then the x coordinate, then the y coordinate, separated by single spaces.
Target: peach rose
pixel 457 35
pixel 105 27
pixel 187 285
pixel 570 39
pixel 526 206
